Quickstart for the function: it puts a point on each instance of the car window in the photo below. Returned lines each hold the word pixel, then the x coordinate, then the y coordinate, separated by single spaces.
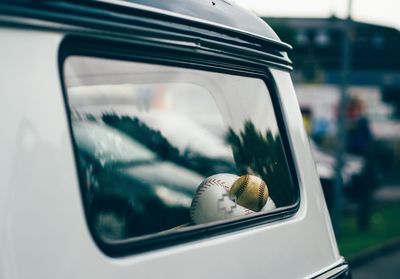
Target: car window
pixel 162 148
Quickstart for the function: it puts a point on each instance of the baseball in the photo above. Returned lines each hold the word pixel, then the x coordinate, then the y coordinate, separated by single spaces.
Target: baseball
pixel 212 201
pixel 269 205
pixel 250 191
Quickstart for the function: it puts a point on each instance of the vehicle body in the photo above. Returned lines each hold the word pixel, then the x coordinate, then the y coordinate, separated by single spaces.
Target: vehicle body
pixel 68 208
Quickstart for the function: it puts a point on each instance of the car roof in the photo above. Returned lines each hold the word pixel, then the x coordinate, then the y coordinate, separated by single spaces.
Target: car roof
pixel 221 12
pixel 219 25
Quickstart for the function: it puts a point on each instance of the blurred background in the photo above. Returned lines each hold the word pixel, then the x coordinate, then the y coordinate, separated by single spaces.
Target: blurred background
pixel 347 80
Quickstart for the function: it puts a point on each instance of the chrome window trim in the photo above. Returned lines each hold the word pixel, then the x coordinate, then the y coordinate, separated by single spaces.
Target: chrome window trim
pixel 340 271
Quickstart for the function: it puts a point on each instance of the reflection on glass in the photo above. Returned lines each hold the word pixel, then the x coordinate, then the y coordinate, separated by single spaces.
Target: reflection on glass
pixel 126 181
pixel 262 155
pixel 155 141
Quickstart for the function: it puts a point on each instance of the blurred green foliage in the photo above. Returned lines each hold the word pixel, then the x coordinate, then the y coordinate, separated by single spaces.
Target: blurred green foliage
pixel 385 226
pixel 263 155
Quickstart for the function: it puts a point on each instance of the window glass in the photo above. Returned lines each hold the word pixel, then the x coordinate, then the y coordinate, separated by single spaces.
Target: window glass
pixel 162 148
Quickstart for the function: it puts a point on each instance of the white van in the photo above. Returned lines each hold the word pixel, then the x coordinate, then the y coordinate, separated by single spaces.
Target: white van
pixel 154 139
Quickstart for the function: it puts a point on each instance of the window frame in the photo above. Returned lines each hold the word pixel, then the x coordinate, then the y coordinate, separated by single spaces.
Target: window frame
pixel 192 58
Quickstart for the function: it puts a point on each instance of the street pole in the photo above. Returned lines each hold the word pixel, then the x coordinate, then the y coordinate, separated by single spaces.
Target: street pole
pixel 341 122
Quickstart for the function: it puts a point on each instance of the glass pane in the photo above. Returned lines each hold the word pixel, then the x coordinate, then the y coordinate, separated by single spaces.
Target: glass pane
pixel 163 148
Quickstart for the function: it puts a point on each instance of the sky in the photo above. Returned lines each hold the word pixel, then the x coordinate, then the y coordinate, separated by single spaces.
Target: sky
pixel 383 12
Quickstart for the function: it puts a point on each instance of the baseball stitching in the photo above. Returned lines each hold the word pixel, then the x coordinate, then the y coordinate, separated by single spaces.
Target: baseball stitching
pixel 261 195
pixel 242 187
pixel 207 184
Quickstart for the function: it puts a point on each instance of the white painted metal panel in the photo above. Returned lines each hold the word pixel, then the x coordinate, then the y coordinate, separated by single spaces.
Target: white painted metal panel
pixel 43 233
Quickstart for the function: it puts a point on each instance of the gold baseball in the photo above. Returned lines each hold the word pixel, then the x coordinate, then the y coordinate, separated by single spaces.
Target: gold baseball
pixel 250 191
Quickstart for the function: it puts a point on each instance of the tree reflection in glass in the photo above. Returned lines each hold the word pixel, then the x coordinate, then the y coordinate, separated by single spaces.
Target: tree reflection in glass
pixel 262 155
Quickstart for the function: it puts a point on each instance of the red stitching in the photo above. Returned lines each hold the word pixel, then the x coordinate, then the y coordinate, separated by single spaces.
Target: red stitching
pixel 248 211
pixel 213 182
pixel 204 186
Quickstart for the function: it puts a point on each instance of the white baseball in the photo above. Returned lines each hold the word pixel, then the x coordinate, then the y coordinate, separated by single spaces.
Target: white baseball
pixel 212 201
pixel 269 205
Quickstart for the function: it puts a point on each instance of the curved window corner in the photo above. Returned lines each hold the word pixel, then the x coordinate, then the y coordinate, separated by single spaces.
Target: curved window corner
pixel 162 149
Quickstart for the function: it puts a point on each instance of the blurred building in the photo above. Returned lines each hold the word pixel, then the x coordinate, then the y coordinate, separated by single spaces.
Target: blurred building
pixel 318 46
pixel 374 76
